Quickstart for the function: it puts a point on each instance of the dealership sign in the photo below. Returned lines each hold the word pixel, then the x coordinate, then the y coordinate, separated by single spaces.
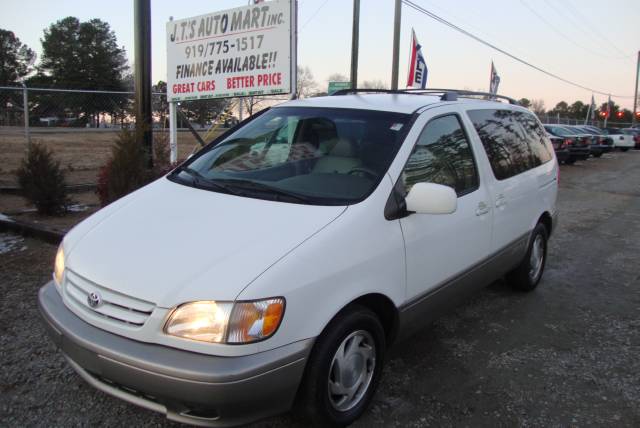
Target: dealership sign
pixel 233 53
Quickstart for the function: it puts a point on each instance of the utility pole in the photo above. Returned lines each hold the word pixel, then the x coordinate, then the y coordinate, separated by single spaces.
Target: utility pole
pixel 635 94
pixel 142 41
pixel 355 41
pixel 397 19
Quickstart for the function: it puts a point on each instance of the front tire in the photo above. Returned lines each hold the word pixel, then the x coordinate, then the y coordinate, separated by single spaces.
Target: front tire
pixel 624 149
pixel 527 275
pixel 570 161
pixel 344 369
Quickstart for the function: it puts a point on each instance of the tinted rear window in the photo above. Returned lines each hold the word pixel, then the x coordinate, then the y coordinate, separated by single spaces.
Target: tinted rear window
pixel 541 150
pixel 504 142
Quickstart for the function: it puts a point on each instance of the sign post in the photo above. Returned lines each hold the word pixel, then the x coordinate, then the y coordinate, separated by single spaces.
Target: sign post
pixel 173 133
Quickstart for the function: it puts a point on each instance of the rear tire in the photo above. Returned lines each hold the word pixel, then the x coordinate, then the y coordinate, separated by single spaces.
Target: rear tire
pixel 344 369
pixel 597 155
pixel 624 149
pixel 570 161
pixel 527 275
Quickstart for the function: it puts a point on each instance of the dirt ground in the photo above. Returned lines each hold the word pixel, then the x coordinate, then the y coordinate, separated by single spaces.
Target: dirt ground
pixel 563 355
pixel 81 152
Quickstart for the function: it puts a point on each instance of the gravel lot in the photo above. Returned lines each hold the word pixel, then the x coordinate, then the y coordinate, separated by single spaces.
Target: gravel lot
pixel 564 355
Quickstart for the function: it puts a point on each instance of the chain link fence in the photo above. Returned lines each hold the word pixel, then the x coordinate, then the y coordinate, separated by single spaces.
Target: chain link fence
pixel 81 126
pixel 559 120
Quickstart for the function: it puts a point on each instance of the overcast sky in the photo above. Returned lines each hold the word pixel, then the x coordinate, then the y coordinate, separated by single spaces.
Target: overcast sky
pixel 591 42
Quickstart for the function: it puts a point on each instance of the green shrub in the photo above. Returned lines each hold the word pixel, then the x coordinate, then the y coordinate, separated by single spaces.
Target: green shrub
pixel 127 170
pixel 42 181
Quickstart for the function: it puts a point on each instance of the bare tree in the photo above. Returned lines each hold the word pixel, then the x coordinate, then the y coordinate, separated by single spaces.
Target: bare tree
pixel 373 84
pixel 337 77
pixel 250 103
pixel 307 85
pixel 537 106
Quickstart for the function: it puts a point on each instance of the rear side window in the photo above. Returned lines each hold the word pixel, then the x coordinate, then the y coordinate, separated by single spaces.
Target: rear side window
pixel 541 150
pixel 442 155
pixel 504 142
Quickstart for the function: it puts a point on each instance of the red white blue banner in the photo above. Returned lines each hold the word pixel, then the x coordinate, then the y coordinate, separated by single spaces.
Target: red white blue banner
pixel 417 66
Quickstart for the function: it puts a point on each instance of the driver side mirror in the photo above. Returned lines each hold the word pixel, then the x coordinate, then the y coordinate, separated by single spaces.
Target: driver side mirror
pixel 431 198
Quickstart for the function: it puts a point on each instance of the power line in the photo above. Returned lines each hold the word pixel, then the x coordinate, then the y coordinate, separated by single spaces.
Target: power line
pixel 502 51
pixel 585 27
pixel 313 15
pixel 562 34
pixel 467 22
pixel 594 28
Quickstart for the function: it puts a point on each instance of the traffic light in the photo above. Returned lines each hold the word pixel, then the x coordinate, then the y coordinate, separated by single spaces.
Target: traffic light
pixel 603 114
pixel 638 115
pixel 620 114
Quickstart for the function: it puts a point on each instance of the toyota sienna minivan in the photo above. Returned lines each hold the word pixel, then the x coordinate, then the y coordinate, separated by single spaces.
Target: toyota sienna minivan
pixel 273 269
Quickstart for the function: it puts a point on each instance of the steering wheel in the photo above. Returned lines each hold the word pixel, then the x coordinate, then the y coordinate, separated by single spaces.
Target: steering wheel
pixel 360 171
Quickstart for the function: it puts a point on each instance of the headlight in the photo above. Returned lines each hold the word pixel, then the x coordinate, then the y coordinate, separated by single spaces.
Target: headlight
pixel 58 266
pixel 226 322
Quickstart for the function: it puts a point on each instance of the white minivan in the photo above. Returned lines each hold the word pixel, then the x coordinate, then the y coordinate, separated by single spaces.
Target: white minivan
pixel 274 269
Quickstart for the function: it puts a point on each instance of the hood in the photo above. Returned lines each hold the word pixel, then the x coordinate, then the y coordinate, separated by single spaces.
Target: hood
pixel 170 243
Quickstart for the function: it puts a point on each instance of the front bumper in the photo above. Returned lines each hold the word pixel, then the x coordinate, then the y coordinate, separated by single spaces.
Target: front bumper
pixel 187 387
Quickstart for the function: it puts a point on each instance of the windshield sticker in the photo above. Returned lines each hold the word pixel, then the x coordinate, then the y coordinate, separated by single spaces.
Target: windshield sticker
pixel 396 127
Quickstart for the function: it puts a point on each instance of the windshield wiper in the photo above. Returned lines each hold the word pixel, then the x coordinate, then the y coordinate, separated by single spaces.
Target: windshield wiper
pixel 236 186
pixel 203 182
pixel 266 188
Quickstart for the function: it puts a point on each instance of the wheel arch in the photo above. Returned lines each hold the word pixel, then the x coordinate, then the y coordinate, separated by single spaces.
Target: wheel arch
pixel 547 221
pixel 379 304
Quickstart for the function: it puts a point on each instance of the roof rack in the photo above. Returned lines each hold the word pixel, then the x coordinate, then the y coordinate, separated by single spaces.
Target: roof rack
pixel 447 94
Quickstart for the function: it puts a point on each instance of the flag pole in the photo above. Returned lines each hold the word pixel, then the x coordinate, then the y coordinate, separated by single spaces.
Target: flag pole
pixel 586 119
pixel 355 40
pixel 396 44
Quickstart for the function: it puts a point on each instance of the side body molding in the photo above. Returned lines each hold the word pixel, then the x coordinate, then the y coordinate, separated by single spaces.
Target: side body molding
pixel 426 308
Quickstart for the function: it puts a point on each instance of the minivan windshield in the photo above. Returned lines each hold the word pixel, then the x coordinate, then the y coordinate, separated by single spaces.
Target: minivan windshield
pixel 320 156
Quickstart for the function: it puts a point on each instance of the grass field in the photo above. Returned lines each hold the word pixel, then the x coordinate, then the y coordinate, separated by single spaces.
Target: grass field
pixel 81 152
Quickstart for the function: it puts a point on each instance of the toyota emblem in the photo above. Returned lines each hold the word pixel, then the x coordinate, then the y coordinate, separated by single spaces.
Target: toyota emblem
pixel 94 300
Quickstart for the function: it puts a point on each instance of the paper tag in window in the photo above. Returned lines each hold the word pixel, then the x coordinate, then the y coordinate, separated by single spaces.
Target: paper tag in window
pixel 396 127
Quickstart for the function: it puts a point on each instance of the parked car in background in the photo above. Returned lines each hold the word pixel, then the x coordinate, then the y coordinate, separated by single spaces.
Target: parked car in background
pixel 599 142
pixel 579 146
pixel 561 147
pixel 609 140
pixel 635 132
pixel 621 140
pixel 311 248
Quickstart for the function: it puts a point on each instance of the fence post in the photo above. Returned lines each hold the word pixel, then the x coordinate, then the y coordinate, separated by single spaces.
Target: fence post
pixel 173 133
pixel 25 110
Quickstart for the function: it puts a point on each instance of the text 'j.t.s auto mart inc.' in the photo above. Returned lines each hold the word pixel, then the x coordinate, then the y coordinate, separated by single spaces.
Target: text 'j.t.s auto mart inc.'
pixel 237 52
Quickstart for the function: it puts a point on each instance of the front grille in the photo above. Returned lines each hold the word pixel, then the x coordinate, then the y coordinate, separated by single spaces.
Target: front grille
pixel 114 306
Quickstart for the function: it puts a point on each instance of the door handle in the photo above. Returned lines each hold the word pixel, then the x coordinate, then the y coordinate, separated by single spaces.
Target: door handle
pixel 482 209
pixel 501 201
